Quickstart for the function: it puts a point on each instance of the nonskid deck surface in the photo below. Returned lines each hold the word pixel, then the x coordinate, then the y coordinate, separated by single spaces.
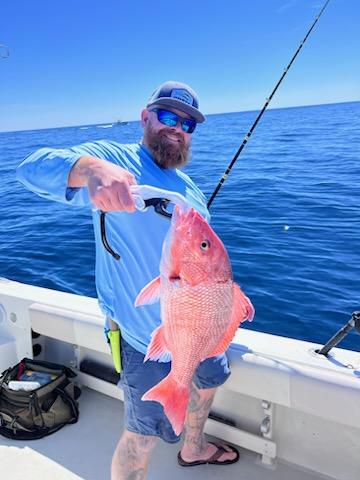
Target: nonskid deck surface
pixel 84 451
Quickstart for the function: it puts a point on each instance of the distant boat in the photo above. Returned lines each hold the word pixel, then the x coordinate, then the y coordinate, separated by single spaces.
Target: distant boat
pixel 119 122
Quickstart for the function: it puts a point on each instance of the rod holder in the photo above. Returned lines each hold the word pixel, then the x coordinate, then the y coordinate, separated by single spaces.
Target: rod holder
pixel 342 333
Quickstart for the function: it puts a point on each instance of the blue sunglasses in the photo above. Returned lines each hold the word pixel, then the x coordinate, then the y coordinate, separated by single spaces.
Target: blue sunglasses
pixel 171 119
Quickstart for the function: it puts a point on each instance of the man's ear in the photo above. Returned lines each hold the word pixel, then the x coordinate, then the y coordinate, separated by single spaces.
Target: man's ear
pixel 144 117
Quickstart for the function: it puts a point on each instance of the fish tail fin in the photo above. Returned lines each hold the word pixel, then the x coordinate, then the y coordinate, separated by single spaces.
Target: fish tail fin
pixel 174 397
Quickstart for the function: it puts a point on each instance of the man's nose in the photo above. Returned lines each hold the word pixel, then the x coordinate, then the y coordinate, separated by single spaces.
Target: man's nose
pixel 178 127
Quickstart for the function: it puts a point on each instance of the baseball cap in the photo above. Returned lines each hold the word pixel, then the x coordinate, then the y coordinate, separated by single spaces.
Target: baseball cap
pixel 177 95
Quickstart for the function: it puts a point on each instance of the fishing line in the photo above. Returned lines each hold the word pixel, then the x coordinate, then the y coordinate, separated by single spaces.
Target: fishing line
pixel 268 100
pixel 247 136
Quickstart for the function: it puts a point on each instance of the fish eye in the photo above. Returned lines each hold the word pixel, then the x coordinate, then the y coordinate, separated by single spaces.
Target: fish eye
pixel 205 244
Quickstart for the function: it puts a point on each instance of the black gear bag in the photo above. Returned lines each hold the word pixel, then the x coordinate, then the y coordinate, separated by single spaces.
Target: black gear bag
pixel 29 415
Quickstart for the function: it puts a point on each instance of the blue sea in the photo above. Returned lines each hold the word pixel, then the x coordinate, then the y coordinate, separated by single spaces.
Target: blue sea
pixel 289 214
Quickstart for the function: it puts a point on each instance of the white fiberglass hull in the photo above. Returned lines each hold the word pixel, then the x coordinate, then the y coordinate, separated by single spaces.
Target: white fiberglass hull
pixel 283 401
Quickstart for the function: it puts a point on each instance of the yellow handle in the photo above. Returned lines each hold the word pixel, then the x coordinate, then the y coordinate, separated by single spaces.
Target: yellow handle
pixel 114 337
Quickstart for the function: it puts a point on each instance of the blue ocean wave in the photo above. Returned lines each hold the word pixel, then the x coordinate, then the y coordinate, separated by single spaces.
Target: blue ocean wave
pixel 289 214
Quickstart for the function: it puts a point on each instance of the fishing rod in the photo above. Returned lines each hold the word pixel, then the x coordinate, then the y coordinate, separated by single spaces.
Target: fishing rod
pixel 354 322
pixel 160 203
pixel 268 100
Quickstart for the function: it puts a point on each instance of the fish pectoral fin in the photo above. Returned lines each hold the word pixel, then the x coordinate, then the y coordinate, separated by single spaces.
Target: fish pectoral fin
pixel 149 294
pixel 242 306
pixel 242 310
pixel 157 349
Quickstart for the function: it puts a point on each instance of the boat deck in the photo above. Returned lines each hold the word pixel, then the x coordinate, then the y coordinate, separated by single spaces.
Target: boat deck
pixel 84 451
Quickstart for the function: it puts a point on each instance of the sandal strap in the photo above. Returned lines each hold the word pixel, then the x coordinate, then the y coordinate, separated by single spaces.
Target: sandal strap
pixel 219 452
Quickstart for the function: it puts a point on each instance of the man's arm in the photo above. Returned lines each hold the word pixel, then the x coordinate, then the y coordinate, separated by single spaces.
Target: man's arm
pixel 108 184
pixel 72 176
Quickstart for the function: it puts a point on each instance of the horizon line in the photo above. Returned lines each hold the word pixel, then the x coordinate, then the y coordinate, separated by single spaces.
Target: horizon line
pixel 206 115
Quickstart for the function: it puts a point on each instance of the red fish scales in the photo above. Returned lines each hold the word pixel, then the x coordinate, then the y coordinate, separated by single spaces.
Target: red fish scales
pixel 195 321
pixel 201 308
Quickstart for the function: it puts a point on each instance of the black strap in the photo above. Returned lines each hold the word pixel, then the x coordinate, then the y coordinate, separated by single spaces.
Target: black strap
pixel 9 430
pixel 71 402
pixel 3 376
pixel 29 434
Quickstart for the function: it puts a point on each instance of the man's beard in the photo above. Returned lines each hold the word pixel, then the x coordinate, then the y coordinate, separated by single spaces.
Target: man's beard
pixel 167 154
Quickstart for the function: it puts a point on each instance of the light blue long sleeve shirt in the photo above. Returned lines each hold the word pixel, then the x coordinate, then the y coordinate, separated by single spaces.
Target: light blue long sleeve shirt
pixel 137 237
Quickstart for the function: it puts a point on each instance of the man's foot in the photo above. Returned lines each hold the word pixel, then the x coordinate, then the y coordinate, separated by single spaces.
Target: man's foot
pixel 214 454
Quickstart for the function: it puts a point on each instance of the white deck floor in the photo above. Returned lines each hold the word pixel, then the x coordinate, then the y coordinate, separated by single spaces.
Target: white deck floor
pixel 84 451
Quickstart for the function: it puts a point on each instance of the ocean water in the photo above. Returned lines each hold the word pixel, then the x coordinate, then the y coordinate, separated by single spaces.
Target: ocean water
pixel 289 214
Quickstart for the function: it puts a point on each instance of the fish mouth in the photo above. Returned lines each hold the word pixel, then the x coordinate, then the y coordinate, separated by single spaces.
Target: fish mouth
pixel 176 281
pixel 174 278
pixel 184 215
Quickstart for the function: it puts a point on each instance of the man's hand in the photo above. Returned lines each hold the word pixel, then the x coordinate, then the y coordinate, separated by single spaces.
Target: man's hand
pixel 108 184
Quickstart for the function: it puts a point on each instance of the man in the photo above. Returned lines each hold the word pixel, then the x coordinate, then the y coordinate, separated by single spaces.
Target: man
pixel 100 175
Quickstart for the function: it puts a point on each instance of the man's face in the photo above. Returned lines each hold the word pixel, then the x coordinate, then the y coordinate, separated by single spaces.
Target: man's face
pixel 170 146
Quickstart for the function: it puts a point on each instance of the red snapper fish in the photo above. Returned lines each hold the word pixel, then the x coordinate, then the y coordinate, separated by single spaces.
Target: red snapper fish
pixel 201 308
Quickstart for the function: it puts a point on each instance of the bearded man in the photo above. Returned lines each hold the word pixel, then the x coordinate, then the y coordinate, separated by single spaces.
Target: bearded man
pixel 100 175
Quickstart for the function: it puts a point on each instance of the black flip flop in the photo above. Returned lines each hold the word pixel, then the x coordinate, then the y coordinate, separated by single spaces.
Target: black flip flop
pixel 213 460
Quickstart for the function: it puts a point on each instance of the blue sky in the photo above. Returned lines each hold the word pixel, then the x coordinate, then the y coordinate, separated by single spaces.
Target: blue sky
pixel 76 62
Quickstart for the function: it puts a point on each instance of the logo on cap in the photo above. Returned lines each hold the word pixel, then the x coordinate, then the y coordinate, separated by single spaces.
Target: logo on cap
pixel 182 95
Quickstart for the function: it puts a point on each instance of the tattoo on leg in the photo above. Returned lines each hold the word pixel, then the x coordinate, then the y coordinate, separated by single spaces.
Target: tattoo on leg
pixel 198 411
pixel 130 453
pixel 194 399
pixel 199 408
pixel 134 455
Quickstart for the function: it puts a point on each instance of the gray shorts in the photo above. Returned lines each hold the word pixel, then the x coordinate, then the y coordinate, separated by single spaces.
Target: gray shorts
pixel 137 377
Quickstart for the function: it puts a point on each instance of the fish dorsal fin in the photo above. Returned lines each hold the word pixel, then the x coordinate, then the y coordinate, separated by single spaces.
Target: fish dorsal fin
pixel 149 294
pixel 157 349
